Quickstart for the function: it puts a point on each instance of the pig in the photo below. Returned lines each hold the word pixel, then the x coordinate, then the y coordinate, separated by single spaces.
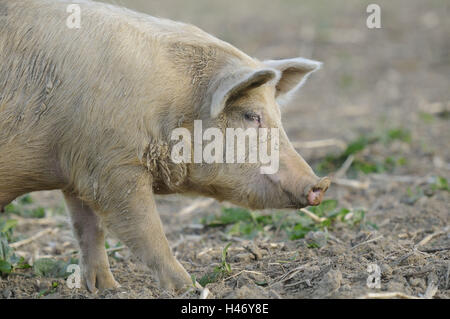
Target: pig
pixel 90 111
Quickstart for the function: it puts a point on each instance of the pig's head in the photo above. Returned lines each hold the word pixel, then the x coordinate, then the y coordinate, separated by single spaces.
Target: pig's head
pixel 250 97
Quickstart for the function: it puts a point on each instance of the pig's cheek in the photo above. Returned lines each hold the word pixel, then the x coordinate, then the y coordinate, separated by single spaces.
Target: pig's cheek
pixel 271 184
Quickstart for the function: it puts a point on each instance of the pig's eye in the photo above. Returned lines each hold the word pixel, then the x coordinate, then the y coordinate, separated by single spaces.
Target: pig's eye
pixel 252 117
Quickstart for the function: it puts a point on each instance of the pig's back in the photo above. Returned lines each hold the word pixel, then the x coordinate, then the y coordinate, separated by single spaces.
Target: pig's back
pixel 116 52
pixel 67 95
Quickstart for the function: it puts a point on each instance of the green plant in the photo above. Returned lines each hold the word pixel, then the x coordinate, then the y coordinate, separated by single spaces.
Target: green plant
pixel 51 289
pixel 240 221
pixel 23 206
pixel 52 268
pixel 8 259
pixel 361 161
pixel 426 117
pixel 440 183
pixel 397 134
pixel 219 271
pixel 330 213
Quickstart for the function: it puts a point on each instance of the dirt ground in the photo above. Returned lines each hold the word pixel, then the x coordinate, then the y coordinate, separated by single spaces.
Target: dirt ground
pixel 373 80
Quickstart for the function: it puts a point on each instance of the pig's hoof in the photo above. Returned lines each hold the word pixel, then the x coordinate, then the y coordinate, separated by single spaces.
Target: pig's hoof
pixel 177 279
pixel 100 279
pixel 177 284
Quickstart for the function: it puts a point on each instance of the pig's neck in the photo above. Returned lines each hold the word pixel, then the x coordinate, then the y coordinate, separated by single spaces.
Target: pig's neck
pixel 168 177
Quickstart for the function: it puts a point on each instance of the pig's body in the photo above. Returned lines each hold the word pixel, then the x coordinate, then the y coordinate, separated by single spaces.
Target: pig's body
pixel 90 111
pixel 70 96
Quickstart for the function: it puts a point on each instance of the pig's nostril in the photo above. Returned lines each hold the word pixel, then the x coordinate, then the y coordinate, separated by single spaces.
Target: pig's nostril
pixel 315 195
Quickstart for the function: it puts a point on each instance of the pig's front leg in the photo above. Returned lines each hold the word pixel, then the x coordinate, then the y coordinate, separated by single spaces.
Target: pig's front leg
pixel 91 239
pixel 138 225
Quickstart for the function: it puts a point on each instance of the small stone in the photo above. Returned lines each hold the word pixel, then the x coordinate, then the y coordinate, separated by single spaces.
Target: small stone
pixel 429 191
pixel 386 270
pixel 400 284
pixel 329 284
pixel 42 285
pixel 331 280
pixel 243 257
pixel 417 282
pixel 7 293
pixel 346 287
pixel 255 251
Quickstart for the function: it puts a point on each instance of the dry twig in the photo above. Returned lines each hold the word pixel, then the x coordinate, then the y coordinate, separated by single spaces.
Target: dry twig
pixel 196 205
pixel 26 241
pixel 321 143
pixel 37 221
pixel 351 183
pixel 400 178
pixel 430 237
pixel 290 274
pixel 434 250
pixel 344 168
pixel 368 241
pixel 243 271
pixel 313 216
pixel 388 295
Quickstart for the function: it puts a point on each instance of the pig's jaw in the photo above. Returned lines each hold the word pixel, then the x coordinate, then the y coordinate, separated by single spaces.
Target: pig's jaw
pixel 261 191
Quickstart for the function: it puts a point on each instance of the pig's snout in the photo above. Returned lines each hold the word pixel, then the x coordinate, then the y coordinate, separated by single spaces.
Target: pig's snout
pixel 314 194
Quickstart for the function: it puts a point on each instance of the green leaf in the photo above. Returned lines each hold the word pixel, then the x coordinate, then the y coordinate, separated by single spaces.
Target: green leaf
pixel 228 216
pixel 5 250
pixel 26 199
pixel 209 278
pixel 38 212
pixel 357 217
pixel 399 134
pixel 324 208
pixel 356 146
pixel 225 265
pixel 22 264
pixel 47 267
pixel 5 267
pixel 299 231
pixel 441 183
pixel 233 215
pixel 8 225
pixel 12 209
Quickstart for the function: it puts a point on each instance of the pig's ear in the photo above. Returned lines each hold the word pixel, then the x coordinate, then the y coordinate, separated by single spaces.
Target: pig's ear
pixel 235 84
pixel 294 73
